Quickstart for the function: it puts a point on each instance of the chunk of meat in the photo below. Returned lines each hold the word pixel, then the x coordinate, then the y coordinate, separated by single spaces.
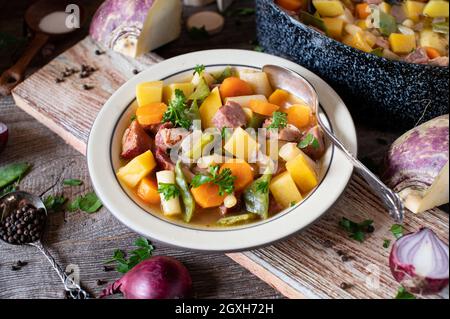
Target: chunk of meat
pixel 399 13
pixel 316 151
pixel 135 141
pixel 231 115
pixel 289 134
pixel 274 206
pixel 163 160
pixel 419 56
pixel 168 138
pixel 382 43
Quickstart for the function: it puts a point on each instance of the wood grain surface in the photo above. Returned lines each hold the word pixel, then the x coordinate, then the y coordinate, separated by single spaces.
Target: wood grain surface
pixel 304 266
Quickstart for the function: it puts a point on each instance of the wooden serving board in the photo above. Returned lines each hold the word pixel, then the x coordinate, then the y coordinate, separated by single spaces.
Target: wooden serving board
pixel 307 265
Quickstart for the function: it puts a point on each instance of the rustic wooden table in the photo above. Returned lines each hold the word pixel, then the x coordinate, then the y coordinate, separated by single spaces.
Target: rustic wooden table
pixel 88 240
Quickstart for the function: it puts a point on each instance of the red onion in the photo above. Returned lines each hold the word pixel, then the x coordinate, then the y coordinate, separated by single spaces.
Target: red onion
pixel 419 261
pixel 3 136
pixel 154 278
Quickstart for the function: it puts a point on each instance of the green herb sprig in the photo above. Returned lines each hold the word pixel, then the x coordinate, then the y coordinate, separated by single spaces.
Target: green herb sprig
pixel 199 69
pixel 357 231
pixel 402 293
pixel 176 111
pixel 397 230
pixel 169 191
pixel 143 251
pixel 88 203
pixel 262 187
pixel 279 121
pixel 224 179
pixel 309 140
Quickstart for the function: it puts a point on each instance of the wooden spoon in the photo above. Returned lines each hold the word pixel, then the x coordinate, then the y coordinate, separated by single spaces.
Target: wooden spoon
pixel 33 17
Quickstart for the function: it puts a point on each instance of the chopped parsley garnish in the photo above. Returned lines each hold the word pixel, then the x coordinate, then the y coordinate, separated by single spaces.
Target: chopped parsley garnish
pixel 199 69
pixel 54 203
pixel 72 182
pixel 397 230
pixel 262 187
pixel 143 251
pixel 226 73
pixel 176 111
pixel 309 140
pixel 357 231
pixel 169 191
pixel 89 203
pixel 403 294
pixel 223 179
pixel 279 121
pixel 386 243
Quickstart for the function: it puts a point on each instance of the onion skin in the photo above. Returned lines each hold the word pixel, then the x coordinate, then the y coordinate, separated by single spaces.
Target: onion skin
pixel 406 274
pixel 3 136
pixel 155 278
pixel 415 160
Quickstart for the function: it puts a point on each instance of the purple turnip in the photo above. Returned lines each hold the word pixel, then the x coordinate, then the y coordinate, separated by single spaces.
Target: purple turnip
pixel 154 278
pixel 419 261
pixel 3 136
pixel 134 27
pixel 417 165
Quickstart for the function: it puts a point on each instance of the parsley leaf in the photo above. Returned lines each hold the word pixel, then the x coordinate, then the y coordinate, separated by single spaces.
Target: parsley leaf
pixel 386 243
pixel 223 179
pixel 8 189
pixel 143 251
pixel 309 140
pixel 176 111
pixel 262 187
pixel 169 191
pixel 133 118
pixel 279 121
pixel 258 48
pixel 199 68
pixel 403 294
pixel 72 182
pixel 357 231
pixel 226 73
pixel 12 173
pixel 88 203
pixel 54 203
pixel 397 230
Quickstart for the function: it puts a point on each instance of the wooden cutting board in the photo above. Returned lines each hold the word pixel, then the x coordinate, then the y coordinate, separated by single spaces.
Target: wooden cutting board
pixel 307 265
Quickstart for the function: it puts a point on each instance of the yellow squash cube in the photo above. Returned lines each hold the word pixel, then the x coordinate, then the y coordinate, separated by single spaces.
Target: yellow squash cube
pixel 284 190
pixel 414 9
pixel 436 9
pixel 335 26
pixel 402 43
pixel 241 144
pixel 132 173
pixel 169 91
pixel 303 172
pixel 361 24
pixel 210 107
pixel 149 92
pixel 357 41
pixel 329 8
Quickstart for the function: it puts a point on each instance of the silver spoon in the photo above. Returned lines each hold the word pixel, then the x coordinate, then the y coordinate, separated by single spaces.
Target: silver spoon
pixel 291 81
pixel 8 204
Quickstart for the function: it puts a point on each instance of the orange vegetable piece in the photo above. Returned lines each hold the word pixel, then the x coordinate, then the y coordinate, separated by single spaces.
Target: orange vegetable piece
pixel 432 53
pixel 299 115
pixel 234 86
pixel 292 5
pixel 362 10
pixel 151 113
pixel 148 191
pixel 262 107
pixel 279 97
pixel 207 195
pixel 242 171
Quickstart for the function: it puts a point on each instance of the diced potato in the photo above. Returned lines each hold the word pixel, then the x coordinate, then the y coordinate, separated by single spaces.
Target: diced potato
pixel 244 101
pixel 357 41
pixel 414 9
pixel 402 43
pixel 132 173
pixel 303 172
pixel 169 91
pixel 258 81
pixel 335 26
pixel 241 144
pixel 385 7
pixel 210 107
pixel 284 190
pixel 149 92
pixel 436 9
pixel 329 8
pixel 431 39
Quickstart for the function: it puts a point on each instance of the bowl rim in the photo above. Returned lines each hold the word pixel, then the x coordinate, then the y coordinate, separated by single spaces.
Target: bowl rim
pixel 233 239
pixel 354 50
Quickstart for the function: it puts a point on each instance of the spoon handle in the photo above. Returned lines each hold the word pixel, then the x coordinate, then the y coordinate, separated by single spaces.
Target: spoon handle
pixel 74 290
pixel 389 197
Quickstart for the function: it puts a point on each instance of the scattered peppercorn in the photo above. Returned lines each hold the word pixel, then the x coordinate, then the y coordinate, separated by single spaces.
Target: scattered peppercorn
pixel 87 87
pixel 98 52
pixel 15 268
pixel 20 263
pixel 101 282
pixel 59 80
pixel 108 268
pixel 340 253
pixel 86 71
pixel 135 71
pixel 345 286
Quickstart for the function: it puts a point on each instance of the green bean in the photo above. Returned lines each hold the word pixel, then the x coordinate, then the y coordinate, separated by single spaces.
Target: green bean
pixel 233 220
pixel 256 196
pixel 186 196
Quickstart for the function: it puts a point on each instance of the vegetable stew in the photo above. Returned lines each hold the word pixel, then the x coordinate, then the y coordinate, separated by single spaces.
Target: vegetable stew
pixel 221 148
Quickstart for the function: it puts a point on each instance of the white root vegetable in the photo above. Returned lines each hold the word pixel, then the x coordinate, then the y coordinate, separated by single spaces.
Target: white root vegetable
pixel 289 151
pixel 172 206
pixel 230 201
pixel 134 27
pixel 417 165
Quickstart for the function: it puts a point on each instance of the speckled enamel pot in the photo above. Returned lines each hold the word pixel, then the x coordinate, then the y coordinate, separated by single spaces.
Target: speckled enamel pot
pixel 391 92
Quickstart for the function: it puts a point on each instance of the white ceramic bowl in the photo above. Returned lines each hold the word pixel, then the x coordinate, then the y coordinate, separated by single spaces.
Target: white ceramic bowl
pixel 104 149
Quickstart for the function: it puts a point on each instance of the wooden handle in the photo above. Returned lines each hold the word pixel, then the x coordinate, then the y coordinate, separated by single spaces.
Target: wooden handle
pixel 14 75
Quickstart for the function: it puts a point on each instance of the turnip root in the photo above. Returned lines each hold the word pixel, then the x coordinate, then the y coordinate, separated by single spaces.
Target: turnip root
pixel 417 165
pixel 134 27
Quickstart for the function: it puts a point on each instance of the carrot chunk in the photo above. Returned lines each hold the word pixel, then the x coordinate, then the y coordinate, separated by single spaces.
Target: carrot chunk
pixel 234 86
pixel 151 113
